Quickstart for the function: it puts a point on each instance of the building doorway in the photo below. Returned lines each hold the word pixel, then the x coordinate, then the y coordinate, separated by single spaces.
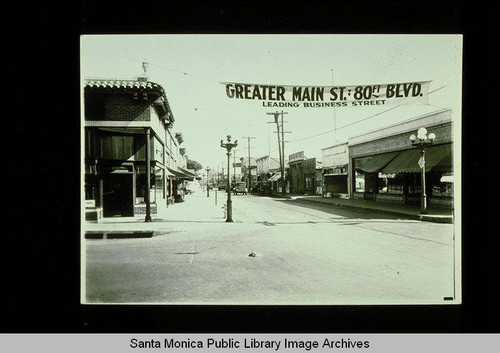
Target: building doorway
pixel 118 195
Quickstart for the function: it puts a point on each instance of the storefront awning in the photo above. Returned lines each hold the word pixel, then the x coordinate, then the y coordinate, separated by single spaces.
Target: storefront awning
pixel 168 173
pixel 378 162
pixel 438 157
pixel 187 172
pixel 275 177
pixel 447 179
pixel 178 175
pixel 336 170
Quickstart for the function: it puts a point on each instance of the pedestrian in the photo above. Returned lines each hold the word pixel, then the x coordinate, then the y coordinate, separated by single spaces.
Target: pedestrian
pixel 323 190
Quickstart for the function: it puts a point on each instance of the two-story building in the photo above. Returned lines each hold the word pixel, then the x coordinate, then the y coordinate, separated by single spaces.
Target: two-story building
pixel 130 153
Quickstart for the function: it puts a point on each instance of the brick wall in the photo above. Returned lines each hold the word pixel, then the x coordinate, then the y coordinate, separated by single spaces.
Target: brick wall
pixel 116 107
pixel 123 107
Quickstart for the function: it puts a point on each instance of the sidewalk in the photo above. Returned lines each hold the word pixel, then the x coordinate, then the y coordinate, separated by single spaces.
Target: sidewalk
pixel 408 211
pixel 179 213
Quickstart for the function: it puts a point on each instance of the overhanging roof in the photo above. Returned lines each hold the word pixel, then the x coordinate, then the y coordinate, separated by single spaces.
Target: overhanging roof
pixel 131 85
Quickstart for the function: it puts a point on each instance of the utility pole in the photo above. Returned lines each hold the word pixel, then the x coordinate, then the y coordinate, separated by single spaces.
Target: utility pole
pixel 281 146
pixel 283 151
pixel 249 164
pixel 234 165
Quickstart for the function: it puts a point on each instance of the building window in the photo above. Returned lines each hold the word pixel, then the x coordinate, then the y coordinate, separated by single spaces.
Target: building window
pixel 443 190
pixel 141 185
pixel 359 181
pixel 90 189
pixel 439 188
pixel 390 183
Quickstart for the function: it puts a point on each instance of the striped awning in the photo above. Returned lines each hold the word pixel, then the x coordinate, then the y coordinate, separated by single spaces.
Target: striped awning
pixel 378 162
pixel 187 172
pixel 437 157
pixel 178 175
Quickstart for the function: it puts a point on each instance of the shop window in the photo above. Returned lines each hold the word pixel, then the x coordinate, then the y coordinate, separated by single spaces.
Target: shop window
pixel 390 183
pixel 141 185
pixel 442 190
pixel 160 194
pixel 359 180
pixel 439 188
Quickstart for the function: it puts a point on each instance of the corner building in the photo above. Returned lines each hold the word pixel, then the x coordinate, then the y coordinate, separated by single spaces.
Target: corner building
pixel 127 136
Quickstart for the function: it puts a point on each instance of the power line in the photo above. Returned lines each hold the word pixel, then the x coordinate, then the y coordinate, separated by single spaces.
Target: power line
pixel 165 68
pixel 359 121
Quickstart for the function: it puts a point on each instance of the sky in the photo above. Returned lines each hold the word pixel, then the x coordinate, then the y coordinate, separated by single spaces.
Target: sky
pixel 191 68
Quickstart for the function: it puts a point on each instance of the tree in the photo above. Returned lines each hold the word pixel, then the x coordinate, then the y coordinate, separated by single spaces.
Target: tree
pixel 193 165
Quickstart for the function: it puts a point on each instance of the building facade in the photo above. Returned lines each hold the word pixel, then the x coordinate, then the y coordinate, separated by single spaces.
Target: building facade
pixel 130 154
pixel 268 169
pixel 335 170
pixel 246 165
pixel 304 174
pixel 384 164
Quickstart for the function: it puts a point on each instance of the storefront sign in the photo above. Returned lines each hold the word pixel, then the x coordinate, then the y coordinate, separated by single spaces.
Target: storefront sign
pixel 330 96
pixel 299 156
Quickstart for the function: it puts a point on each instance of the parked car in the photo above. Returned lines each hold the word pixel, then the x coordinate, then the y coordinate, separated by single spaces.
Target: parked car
pixel 240 188
pixel 222 184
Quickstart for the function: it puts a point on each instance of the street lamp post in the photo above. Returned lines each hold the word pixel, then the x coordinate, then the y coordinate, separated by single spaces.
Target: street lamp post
pixel 422 140
pixel 228 146
pixel 207 169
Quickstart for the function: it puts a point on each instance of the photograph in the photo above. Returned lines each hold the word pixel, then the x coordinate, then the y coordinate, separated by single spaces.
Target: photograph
pixel 271 169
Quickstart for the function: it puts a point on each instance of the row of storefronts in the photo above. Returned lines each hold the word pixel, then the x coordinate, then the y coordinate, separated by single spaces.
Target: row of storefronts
pixel 385 165
pixel 133 162
pixel 382 165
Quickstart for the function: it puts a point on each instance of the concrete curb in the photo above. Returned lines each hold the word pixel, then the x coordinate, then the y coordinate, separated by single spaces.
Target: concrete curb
pixel 118 234
pixel 412 216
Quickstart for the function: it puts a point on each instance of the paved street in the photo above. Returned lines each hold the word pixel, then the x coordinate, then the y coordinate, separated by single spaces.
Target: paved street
pixel 305 254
